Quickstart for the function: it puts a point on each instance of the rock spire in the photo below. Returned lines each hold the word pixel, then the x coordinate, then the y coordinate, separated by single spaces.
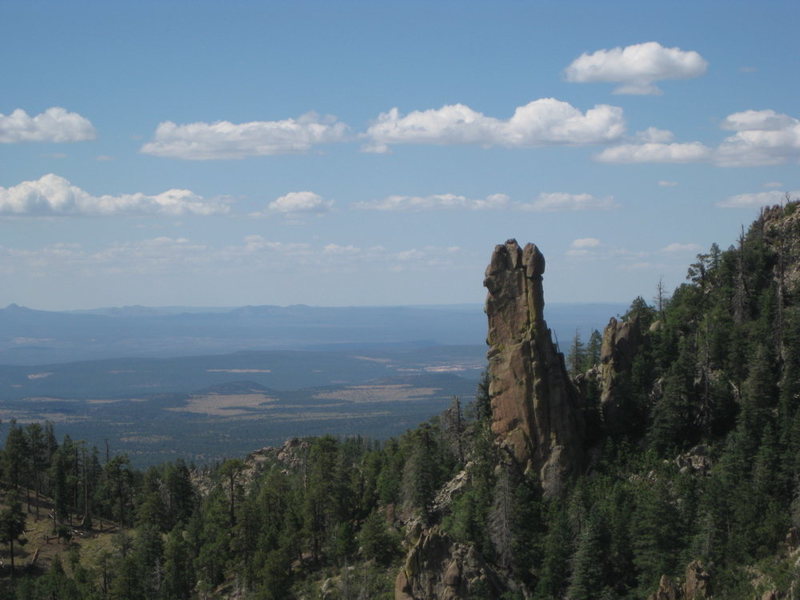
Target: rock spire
pixel 535 408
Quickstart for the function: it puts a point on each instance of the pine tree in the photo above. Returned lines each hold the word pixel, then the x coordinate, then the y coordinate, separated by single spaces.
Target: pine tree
pixel 12 526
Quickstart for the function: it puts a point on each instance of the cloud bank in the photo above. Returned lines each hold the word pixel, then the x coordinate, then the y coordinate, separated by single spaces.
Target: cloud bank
pixel 757 199
pixel 178 256
pixel 435 202
pixel 762 137
pixel 543 122
pixel 226 140
pixel 56 124
pixel 545 202
pixel 559 201
pixel 636 68
pixel 54 195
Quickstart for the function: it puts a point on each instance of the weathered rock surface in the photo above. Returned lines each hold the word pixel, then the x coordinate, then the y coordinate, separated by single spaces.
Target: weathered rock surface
pixel 621 341
pixel 535 408
pixel 667 590
pixel 437 568
pixel 697 460
pixel 696 585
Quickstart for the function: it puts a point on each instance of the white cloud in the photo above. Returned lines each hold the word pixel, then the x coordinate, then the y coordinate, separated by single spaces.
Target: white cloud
pixel 226 140
pixel 757 120
pixel 666 183
pixel 584 247
pixel 585 243
pixel 543 122
pixel 559 201
pixel 763 137
pixel 636 67
pixel 56 124
pixel 677 247
pixel 773 184
pixel 435 202
pixel 295 204
pixel 655 135
pixel 757 199
pixel 54 195
pixel 654 152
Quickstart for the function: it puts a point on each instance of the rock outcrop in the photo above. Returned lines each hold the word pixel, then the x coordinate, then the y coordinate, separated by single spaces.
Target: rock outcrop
pixel 437 567
pixel 535 408
pixel 621 341
pixel 696 585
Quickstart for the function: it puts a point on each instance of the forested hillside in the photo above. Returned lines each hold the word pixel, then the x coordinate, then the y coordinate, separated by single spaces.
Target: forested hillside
pixel 686 484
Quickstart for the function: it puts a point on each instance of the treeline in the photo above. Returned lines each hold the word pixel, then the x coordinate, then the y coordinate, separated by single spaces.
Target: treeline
pixel 266 529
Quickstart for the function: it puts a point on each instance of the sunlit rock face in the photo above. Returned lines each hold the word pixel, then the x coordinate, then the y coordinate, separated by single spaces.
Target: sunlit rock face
pixel 535 409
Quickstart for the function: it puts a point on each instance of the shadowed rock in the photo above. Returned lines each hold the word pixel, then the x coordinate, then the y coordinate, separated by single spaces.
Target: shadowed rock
pixel 622 340
pixel 535 408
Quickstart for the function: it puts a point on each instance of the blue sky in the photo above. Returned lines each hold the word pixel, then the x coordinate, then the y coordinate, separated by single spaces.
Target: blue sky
pixel 373 153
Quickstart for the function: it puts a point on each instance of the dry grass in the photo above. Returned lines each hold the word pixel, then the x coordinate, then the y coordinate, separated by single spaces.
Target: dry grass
pixel 362 394
pixel 239 370
pixel 225 405
pixel 43 545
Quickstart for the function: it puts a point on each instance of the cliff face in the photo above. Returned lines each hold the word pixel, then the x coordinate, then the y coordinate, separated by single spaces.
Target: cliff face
pixel 535 408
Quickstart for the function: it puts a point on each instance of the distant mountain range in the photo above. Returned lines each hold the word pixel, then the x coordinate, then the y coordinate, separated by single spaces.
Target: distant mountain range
pixel 35 337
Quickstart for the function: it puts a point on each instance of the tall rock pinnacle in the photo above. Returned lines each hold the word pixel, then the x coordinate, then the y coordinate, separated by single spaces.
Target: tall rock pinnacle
pixel 535 408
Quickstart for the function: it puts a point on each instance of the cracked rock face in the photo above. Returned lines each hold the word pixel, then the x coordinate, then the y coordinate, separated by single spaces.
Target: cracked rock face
pixel 535 408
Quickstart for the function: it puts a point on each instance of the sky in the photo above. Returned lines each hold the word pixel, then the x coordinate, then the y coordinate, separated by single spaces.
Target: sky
pixel 373 153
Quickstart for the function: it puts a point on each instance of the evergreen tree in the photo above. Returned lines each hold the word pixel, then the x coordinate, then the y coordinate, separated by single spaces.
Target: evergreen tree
pixel 12 526
pixel 587 572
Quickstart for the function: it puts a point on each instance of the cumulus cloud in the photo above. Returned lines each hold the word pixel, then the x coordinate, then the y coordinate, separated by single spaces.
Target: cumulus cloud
pixel 56 124
pixel 677 247
pixel 757 199
pixel 763 137
pixel 435 202
pixel 226 140
pixel 636 67
pixel 54 195
pixel 543 122
pixel 559 201
pixel 300 203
